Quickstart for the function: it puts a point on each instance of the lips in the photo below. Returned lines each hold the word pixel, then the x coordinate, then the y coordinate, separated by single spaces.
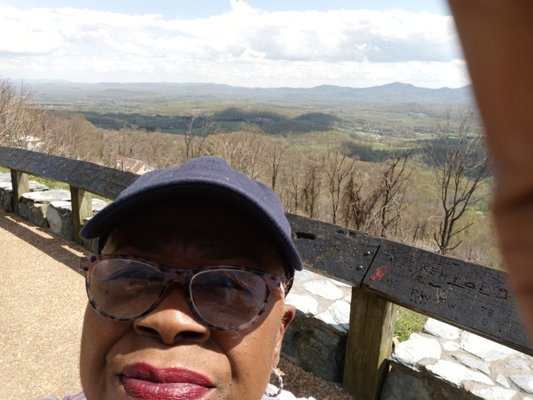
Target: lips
pixel 144 382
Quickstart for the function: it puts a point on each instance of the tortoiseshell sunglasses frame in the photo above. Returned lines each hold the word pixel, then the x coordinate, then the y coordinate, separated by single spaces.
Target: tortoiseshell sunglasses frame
pixel 184 277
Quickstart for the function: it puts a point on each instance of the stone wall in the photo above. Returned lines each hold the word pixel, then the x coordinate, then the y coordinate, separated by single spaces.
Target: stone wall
pixel 44 207
pixel 444 362
pixel 316 340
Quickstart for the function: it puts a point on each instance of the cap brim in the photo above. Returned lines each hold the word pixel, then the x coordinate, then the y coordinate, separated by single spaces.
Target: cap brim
pixel 105 221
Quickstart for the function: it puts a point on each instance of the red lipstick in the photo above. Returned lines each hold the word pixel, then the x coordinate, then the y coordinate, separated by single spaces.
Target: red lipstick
pixel 144 382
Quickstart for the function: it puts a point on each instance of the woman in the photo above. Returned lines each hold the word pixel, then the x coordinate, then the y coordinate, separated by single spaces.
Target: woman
pixel 186 298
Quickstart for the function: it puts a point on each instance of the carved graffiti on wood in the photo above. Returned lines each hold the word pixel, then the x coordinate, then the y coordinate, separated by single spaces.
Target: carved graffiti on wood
pixel 465 294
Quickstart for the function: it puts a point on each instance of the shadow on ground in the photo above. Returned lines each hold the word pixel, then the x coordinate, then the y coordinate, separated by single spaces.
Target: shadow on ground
pixel 56 247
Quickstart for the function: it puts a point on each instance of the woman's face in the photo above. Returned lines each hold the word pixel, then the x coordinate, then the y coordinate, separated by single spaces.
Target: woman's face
pixel 169 345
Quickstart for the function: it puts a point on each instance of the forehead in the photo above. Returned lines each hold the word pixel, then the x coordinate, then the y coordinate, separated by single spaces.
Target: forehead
pixel 196 227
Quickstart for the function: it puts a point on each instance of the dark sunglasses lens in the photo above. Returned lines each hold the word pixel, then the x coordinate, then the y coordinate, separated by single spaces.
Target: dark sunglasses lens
pixel 228 299
pixel 124 288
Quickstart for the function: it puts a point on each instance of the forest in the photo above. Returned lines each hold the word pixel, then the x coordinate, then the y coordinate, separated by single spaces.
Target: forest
pixel 414 172
pixel 227 120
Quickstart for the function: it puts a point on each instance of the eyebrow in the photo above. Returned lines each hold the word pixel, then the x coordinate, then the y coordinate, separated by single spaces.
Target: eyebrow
pixel 236 252
pixel 257 252
pixel 133 240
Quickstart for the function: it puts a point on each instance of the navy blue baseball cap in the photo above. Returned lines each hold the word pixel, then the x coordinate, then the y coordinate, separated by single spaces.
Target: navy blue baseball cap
pixel 206 177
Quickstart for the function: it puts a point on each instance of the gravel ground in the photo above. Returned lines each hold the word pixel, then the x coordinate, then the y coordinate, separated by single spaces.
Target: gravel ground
pixel 42 302
pixel 305 384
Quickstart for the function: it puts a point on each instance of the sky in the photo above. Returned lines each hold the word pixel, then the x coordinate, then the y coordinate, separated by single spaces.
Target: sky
pixel 250 43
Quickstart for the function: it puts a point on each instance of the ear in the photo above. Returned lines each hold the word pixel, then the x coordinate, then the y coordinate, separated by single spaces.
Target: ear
pixel 289 312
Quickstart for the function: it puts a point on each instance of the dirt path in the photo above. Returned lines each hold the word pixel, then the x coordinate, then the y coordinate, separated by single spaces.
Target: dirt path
pixel 42 302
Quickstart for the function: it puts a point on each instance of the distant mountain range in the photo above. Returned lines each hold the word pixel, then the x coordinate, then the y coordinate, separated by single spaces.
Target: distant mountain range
pixel 393 93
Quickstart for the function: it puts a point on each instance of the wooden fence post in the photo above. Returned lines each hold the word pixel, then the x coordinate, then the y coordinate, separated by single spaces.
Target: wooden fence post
pixel 19 183
pixel 369 344
pixel 81 208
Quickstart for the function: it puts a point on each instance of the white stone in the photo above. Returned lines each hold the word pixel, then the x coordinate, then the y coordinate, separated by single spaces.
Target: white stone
pixel 416 348
pixel 324 288
pixel 450 346
pixel 441 329
pixel 98 204
pixel 54 220
pixel 456 373
pixel 305 274
pixel 61 205
pixel 340 310
pixel 519 363
pixel 47 196
pixel 306 304
pixel 337 315
pixel 54 215
pixel 37 187
pixel 341 284
pixel 5 183
pixel 6 186
pixel 33 186
pixel 473 362
pixel 325 317
pixel 495 393
pixel 502 380
pixel 524 382
pixel 484 348
pixel 284 395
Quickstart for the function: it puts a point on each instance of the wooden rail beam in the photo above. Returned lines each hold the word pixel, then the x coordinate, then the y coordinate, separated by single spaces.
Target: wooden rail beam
pixel 466 295
pixel 104 181
pixel 329 250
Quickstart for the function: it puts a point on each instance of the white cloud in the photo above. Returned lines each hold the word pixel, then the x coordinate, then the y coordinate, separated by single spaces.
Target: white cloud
pixel 26 34
pixel 244 46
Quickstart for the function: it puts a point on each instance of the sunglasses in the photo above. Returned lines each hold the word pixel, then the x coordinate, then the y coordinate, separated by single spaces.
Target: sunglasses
pixel 223 298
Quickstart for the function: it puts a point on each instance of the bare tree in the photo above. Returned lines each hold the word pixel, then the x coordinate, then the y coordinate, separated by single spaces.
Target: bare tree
pixel 163 149
pixel 393 181
pixel 293 200
pixel 193 144
pixel 373 199
pixel 338 167
pixel 459 162
pixel 420 231
pixel 311 190
pixel 130 138
pixel 69 135
pixel 276 151
pixel 242 150
pixel 360 201
pixel 18 119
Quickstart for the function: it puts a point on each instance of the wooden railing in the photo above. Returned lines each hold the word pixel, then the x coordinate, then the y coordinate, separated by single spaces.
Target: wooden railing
pixel 381 273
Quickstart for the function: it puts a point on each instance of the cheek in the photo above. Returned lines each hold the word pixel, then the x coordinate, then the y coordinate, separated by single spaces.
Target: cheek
pixel 98 337
pixel 251 358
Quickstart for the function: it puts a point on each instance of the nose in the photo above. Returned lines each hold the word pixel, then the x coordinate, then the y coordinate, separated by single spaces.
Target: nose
pixel 172 321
